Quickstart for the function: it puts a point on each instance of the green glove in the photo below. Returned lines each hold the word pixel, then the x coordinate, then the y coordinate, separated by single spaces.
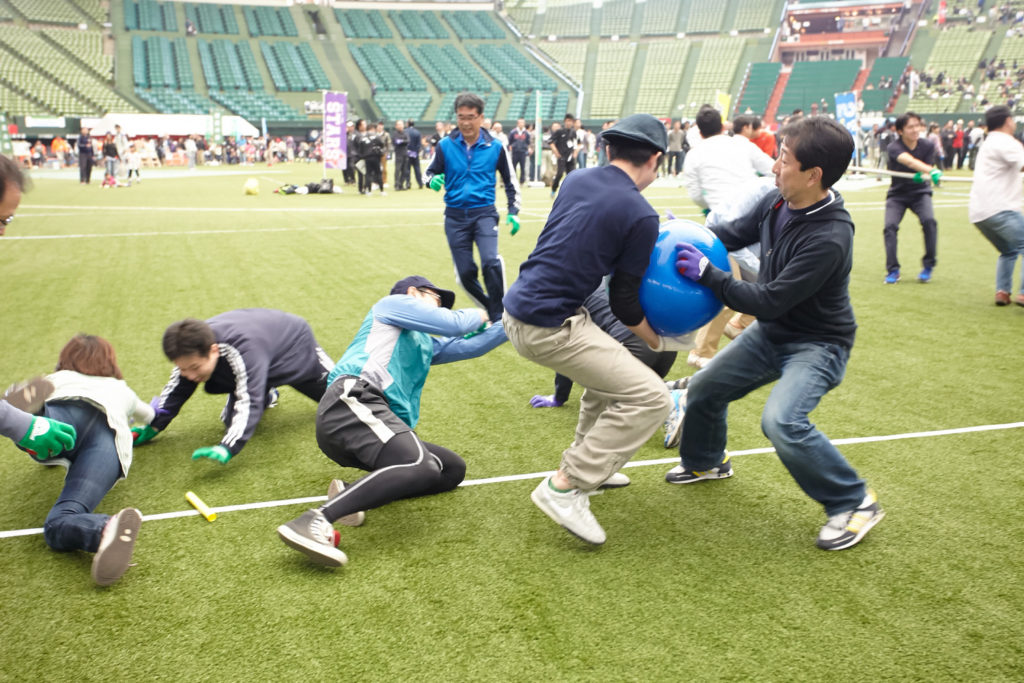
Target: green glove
pixel 477 331
pixel 705 212
pixel 216 453
pixel 918 177
pixel 141 435
pixel 936 175
pixel 514 222
pixel 47 438
pixel 437 182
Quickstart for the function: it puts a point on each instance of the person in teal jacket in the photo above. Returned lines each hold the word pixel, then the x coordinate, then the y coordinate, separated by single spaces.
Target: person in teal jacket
pixel 372 405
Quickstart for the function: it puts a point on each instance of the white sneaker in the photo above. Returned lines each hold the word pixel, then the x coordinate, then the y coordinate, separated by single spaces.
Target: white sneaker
pixel 570 510
pixel 114 555
pixel 333 491
pixel 616 481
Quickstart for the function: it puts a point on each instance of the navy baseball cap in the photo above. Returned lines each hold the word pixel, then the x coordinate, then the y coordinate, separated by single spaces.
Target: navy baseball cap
pixel 642 128
pixel 420 282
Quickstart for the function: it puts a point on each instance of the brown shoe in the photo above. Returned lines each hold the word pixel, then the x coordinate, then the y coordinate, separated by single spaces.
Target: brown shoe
pixel 1002 298
pixel 29 395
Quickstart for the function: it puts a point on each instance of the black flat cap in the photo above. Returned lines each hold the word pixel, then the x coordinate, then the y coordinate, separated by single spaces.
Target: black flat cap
pixel 642 128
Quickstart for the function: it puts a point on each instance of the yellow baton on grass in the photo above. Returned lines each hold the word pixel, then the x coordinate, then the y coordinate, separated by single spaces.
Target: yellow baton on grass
pixel 203 508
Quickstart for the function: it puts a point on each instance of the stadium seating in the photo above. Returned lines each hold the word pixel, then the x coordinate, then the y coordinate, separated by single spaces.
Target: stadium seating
pixel 38 67
pixel 757 90
pixel 706 16
pixel 662 73
pixel 418 25
pixel 290 68
pixel 616 17
pixel 661 17
pixel 567 20
pixel 614 64
pixel 714 71
pixel 170 101
pixel 571 56
pixel 14 103
pixel 93 10
pixel 269 21
pixel 510 67
pixel 523 17
pixel 448 69
pixel 254 106
pixel 402 105
pixel 811 82
pixel 361 23
pixel 86 45
pixel 475 25
pixel 386 68
pixel 149 15
pixel 48 12
pixel 956 54
pixel 876 99
pixel 754 15
pixel 229 66
pixel 217 19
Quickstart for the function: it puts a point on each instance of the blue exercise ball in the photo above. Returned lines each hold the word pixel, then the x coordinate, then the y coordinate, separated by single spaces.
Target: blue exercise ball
pixel 673 304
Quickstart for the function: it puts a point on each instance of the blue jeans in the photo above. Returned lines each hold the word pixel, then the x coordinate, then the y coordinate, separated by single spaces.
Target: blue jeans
pixel 805 371
pixel 93 471
pixel 464 227
pixel 1005 231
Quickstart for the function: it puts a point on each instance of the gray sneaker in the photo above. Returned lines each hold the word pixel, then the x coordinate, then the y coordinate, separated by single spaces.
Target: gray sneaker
pixel 570 510
pixel 847 528
pixel 114 555
pixel 333 491
pixel 313 535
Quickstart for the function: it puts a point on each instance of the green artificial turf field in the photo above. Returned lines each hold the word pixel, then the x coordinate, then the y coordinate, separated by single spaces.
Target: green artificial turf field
pixel 718 581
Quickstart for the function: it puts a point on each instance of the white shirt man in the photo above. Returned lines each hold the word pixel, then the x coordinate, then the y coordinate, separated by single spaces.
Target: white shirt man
pixel 715 169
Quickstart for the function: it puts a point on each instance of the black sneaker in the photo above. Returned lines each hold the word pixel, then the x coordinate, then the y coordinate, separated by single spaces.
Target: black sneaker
pixel 847 528
pixel 682 475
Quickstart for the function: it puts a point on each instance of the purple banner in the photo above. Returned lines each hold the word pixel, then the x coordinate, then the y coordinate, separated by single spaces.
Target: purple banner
pixel 335 142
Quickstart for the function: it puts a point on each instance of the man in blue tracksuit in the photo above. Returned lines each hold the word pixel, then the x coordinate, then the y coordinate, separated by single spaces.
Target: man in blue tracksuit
pixel 366 418
pixel 464 164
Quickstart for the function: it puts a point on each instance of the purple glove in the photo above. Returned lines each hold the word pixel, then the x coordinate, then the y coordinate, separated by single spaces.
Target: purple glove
pixel 549 401
pixel 690 261
pixel 155 405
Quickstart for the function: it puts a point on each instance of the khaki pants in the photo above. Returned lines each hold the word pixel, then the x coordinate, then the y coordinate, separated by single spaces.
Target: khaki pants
pixel 709 336
pixel 623 403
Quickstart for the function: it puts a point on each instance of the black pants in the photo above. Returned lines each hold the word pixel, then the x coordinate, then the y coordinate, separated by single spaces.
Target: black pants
pixel 519 161
pixel 565 167
pixel 85 168
pixel 401 170
pixel 373 173
pixel 414 167
pixel 895 208
pixel 405 467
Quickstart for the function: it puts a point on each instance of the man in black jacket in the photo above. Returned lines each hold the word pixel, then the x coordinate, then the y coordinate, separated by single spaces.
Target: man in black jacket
pixel 802 337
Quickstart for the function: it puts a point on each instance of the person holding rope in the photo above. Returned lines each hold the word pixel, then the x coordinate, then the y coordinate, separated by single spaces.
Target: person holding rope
pixel 908 153
pixel 996 198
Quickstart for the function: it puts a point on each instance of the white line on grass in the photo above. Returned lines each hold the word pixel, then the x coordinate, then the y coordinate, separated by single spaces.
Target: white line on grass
pixel 539 475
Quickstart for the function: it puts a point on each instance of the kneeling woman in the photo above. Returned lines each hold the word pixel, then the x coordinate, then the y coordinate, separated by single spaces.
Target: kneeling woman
pixel 88 393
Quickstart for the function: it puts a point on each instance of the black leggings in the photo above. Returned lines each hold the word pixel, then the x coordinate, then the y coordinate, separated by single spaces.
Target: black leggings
pixel 406 467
